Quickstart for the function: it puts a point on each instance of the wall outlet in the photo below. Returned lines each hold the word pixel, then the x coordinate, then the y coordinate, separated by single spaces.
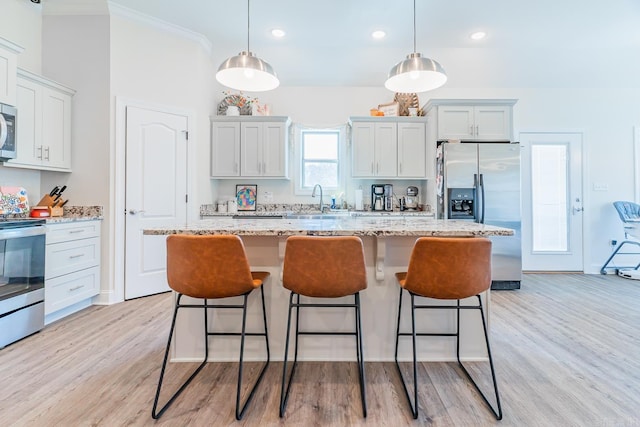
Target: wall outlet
pixel 267 196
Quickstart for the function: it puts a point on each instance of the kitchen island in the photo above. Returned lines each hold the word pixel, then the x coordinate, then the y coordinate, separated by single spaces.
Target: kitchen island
pixel 387 243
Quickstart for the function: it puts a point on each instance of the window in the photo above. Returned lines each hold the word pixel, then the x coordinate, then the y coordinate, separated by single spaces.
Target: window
pixel 320 158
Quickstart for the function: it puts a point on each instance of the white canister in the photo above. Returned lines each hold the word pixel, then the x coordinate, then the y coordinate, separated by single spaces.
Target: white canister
pixel 222 206
pixel 232 110
pixel 232 205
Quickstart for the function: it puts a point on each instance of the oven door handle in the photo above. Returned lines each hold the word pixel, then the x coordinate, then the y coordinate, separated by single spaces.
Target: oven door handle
pixel 17 233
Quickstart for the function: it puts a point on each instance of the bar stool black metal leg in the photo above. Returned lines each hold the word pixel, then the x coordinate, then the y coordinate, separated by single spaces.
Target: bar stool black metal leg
pixel 498 413
pixel 157 414
pixel 413 405
pixel 360 354
pixel 284 393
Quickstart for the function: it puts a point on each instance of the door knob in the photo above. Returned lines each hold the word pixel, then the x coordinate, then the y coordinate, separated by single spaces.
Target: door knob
pixel 135 211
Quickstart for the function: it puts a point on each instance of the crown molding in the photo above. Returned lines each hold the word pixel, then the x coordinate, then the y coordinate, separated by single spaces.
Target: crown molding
pixel 144 19
pixel 106 7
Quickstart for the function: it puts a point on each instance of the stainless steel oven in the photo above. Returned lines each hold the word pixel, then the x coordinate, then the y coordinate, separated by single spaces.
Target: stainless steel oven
pixel 22 256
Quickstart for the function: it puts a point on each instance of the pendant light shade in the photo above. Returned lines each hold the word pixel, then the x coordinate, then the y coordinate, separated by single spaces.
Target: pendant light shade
pixel 246 71
pixel 416 73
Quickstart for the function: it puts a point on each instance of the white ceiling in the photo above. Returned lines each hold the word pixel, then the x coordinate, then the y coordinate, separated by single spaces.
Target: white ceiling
pixel 541 43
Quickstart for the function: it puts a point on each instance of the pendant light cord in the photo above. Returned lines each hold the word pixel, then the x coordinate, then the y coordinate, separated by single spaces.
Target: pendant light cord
pixel 248 26
pixel 414 26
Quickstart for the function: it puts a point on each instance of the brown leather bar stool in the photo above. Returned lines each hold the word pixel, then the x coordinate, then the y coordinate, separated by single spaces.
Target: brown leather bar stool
pixel 447 268
pixel 212 267
pixel 323 267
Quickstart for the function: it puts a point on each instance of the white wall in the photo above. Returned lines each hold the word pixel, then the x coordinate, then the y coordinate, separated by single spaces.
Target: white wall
pixel 163 68
pixel 20 23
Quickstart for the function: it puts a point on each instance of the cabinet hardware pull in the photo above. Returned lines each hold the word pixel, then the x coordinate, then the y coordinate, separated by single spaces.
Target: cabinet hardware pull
pixel 46 150
pixel 39 156
pixel 75 231
pixel 371 168
pixel 471 130
pixel 400 167
pixel 76 256
pixel 477 130
pixel 75 288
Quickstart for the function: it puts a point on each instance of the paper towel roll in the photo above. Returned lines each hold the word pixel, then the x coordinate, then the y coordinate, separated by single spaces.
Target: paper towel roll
pixel 359 201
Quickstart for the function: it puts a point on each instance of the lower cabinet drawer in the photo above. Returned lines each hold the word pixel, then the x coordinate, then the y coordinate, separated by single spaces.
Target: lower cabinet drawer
pixel 63 291
pixel 67 257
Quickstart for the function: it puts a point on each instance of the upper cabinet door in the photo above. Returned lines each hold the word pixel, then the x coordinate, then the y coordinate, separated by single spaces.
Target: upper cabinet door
pixel 362 149
pixel 274 146
pixel 225 149
pixel 386 149
pixel 411 150
pixel 456 122
pixel 251 163
pixel 56 129
pixel 493 123
pixel 29 123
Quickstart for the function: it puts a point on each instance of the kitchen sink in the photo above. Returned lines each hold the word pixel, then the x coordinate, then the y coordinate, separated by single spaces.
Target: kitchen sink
pixel 317 216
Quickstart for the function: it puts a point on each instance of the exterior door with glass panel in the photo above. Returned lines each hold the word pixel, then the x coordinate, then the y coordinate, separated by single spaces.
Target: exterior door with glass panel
pixel 552 202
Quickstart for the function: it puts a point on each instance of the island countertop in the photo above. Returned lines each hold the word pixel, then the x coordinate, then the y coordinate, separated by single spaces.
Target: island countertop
pixel 335 226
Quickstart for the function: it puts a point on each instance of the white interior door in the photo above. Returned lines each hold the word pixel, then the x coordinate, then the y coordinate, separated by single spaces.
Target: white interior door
pixel 156 194
pixel 552 202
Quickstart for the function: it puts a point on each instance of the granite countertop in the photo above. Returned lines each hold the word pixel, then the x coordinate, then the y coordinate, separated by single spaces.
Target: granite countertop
pixel 342 226
pixel 77 213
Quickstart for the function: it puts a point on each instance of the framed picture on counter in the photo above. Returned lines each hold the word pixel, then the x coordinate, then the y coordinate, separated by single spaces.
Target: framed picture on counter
pixel 247 197
pixel 391 109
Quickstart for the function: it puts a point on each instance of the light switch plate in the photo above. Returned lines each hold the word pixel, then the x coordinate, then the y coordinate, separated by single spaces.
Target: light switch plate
pixel 268 196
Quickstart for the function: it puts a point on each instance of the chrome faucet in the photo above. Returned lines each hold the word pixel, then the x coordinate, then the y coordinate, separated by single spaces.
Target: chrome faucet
pixel 313 194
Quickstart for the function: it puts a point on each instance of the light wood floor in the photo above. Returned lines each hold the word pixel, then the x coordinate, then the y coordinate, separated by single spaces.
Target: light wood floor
pixel 566 347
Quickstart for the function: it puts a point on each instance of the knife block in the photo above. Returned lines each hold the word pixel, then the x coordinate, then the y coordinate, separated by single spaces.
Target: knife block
pixel 48 201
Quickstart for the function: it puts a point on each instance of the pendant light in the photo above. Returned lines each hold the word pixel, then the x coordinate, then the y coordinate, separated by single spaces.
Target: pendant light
pixel 416 73
pixel 246 71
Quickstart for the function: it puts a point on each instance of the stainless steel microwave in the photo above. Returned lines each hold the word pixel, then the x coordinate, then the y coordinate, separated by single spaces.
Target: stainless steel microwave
pixel 7 132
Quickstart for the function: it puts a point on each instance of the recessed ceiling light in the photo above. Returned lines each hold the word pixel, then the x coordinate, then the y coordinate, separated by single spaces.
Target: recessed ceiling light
pixel 278 33
pixel 478 35
pixel 378 34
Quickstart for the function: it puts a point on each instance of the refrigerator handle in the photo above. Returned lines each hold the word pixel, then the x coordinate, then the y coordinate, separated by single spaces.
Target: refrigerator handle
pixel 482 198
pixel 476 189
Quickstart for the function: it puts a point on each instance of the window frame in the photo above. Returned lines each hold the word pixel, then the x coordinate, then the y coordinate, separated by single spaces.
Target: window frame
pixel 341 132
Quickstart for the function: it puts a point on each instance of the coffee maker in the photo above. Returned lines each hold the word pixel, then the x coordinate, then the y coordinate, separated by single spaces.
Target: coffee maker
pixel 377 197
pixel 411 199
pixel 388 197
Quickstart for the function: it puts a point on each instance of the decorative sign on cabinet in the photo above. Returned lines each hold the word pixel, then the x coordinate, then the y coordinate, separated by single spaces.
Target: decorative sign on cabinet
pixel 388 147
pixel 8 71
pixel 247 146
pixel 44 124
pixel 72 267
pixel 472 120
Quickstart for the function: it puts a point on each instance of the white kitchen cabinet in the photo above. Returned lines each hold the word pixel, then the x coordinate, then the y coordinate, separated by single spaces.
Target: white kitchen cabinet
pixel 255 147
pixel 8 71
pixel 225 149
pixel 44 124
pixel 72 267
pixel 389 147
pixel 488 121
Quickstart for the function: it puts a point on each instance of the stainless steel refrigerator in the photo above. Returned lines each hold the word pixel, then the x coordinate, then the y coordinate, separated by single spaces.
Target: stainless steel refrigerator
pixel 481 182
